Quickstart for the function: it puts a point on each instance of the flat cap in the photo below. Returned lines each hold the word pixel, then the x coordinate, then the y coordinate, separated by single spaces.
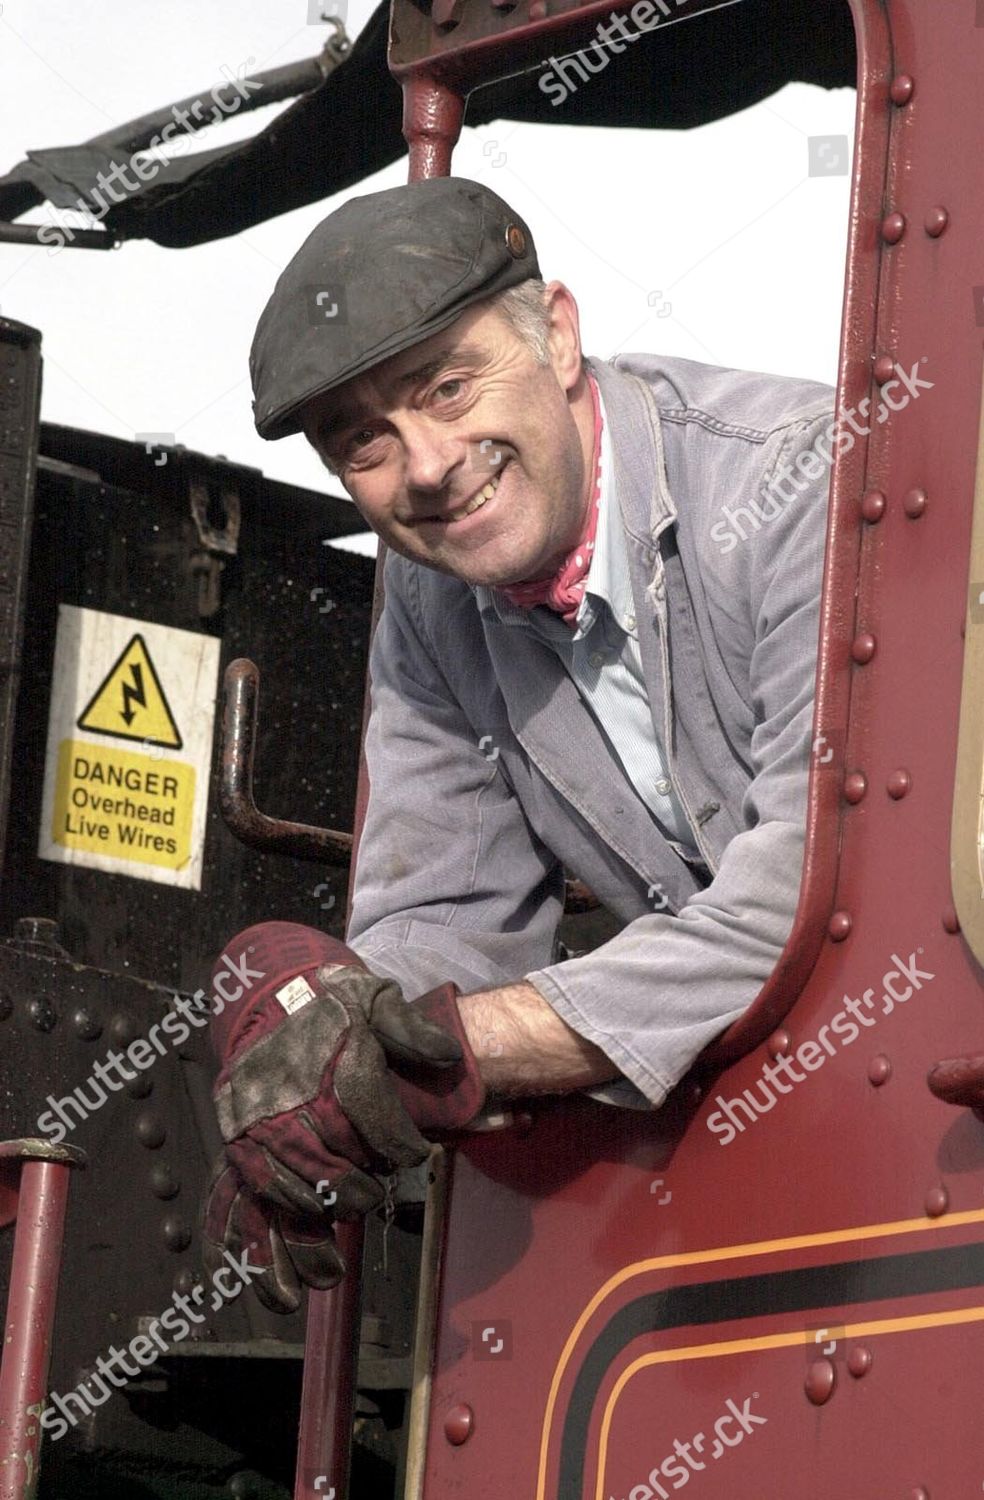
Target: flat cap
pixel 381 273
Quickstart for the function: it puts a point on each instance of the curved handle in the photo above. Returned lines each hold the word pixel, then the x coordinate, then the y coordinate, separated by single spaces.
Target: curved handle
pixel 242 816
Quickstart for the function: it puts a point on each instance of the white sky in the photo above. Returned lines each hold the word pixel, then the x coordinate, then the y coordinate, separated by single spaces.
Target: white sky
pixel 715 244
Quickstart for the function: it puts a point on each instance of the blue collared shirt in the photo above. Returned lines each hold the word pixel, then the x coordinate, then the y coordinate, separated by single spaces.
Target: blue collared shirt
pixel 602 657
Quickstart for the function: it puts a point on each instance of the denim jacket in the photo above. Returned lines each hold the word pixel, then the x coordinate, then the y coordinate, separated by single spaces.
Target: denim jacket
pixel 489 777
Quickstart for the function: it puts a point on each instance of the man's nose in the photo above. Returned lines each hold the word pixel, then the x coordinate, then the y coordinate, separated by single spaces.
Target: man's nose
pixel 432 455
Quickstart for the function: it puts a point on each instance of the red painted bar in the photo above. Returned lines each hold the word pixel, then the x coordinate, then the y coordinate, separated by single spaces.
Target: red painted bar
pixel 42 1202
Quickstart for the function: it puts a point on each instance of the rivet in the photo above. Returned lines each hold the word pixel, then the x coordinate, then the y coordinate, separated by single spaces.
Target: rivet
pixel 884 368
pixel 937 1201
pixel 863 647
pixel 873 506
pixel 951 922
pixel 186 1280
pixel 893 228
pixel 87 1026
pixel 936 222
pixel 124 1029
pixel 6 1006
pixel 162 1181
pixel 140 1087
pixel 42 1014
pixel 839 926
pixel 879 1070
pixel 901 89
pixel 855 786
pixel 177 1235
pixel 515 241
pixel 779 1044
pixel 919 1493
pixel 914 503
pixel 859 1361
pixel 821 1378
pixel 899 784
pixel 460 1420
pixel 150 1132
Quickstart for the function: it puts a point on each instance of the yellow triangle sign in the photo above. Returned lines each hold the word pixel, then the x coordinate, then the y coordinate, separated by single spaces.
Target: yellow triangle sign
pixel 130 702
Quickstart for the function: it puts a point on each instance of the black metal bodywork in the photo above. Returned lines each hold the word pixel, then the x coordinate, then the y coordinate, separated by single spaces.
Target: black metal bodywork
pixel 113 529
pixel 349 126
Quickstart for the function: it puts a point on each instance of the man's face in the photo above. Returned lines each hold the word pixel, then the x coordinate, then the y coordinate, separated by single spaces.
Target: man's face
pixel 468 420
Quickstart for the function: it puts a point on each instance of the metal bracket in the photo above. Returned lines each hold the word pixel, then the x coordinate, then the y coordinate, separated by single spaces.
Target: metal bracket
pixel 216 544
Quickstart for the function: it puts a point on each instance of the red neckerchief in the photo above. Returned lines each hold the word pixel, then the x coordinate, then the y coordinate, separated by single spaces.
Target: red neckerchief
pixel 564 591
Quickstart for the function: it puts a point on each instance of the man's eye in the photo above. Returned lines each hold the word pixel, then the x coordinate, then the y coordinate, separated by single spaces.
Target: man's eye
pixel 346 448
pixel 449 389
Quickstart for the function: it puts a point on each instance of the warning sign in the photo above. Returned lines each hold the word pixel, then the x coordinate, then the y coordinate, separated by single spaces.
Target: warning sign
pixel 130 702
pixel 129 747
pixel 110 802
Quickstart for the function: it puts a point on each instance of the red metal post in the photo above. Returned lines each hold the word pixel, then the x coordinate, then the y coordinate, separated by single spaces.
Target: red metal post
pixel 42 1202
pixel 327 1406
pixel 432 119
pixel 432 116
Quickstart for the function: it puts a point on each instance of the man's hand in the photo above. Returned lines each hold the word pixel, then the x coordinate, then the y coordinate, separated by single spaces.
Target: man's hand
pixel 329 1076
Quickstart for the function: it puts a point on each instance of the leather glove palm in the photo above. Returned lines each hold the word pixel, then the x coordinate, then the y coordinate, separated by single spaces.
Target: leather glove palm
pixel 290 1250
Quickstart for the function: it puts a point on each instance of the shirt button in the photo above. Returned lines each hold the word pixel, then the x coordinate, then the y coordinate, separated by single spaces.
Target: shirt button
pixel 630 622
pixel 597 658
pixel 662 786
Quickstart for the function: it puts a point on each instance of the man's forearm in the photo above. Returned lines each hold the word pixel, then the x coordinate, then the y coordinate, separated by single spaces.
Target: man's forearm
pixel 523 1047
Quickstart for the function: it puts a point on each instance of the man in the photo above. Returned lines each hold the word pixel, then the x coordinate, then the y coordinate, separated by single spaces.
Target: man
pixel 597 654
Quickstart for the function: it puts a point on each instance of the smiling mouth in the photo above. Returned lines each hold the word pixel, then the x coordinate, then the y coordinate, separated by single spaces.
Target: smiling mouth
pixel 475 503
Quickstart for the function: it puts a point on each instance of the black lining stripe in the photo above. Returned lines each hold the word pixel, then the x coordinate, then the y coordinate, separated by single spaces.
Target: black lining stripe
pixel 831 1286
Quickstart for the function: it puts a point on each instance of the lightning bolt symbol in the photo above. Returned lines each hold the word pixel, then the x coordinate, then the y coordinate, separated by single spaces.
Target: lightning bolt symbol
pixel 134 694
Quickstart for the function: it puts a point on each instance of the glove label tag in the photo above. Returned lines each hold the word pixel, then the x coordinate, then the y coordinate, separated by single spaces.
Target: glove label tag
pixel 295 994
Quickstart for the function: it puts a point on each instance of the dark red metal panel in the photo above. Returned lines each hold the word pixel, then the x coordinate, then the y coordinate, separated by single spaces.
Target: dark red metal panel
pixel 774 1285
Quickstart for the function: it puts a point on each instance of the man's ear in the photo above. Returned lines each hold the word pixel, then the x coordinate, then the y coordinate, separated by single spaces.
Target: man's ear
pixel 565 333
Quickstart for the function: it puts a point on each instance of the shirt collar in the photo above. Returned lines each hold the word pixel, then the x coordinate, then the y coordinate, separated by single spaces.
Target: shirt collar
pixel 608 579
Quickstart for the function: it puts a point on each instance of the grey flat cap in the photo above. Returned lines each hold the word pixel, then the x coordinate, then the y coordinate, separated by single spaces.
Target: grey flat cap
pixel 381 273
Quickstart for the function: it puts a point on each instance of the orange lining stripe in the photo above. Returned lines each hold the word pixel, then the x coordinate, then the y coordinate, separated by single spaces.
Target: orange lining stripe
pixel 724 1253
pixel 768 1341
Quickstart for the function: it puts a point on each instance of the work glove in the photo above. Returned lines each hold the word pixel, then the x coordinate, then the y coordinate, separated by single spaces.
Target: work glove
pixel 328 1076
pixel 283 1251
